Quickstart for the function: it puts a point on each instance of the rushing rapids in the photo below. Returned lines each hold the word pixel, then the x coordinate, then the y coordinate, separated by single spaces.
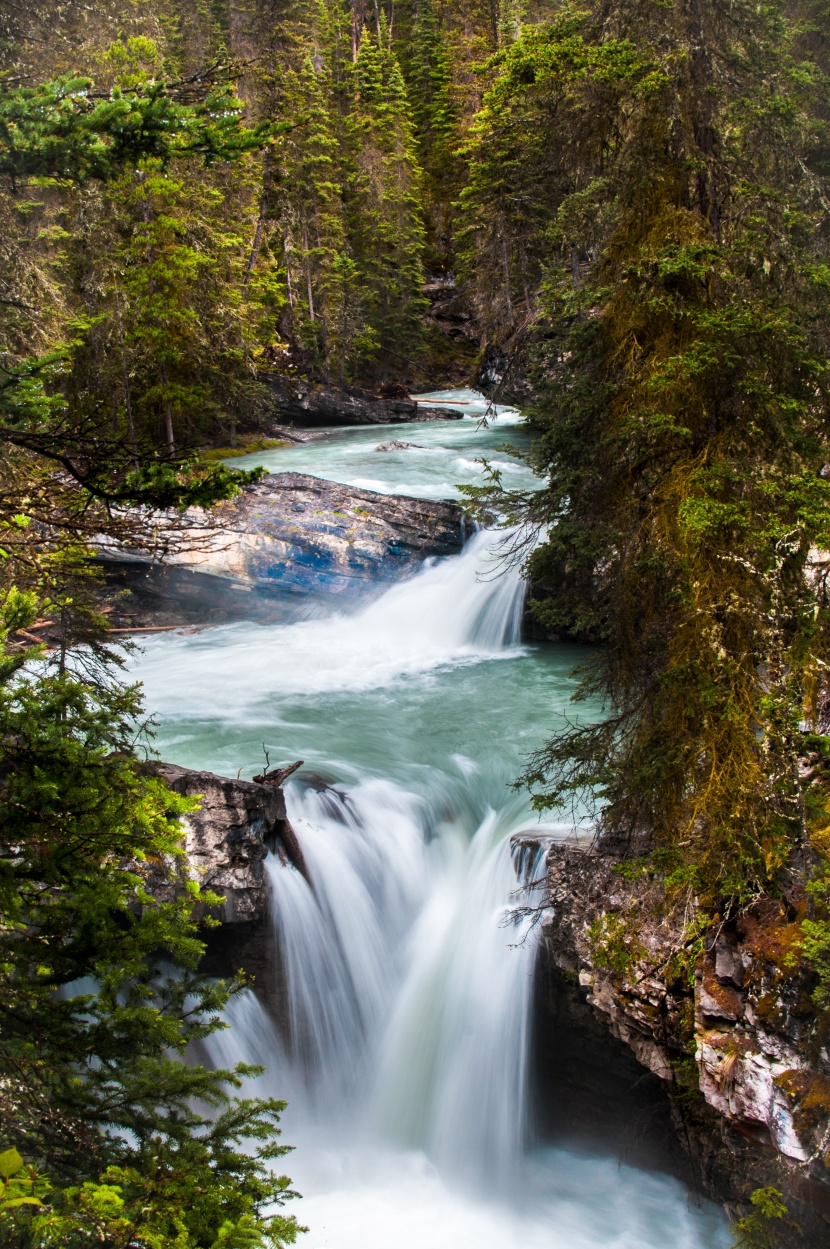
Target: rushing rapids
pixel 404 1050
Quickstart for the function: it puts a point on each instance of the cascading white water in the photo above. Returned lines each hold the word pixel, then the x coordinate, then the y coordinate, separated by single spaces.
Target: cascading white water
pixel 361 1007
pixel 454 610
pixel 454 1064
pixel 404 1053
pixel 340 940
pixel 393 927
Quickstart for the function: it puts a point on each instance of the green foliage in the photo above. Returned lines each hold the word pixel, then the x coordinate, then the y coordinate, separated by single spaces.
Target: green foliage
pixel 762 1229
pixel 815 943
pixel 614 945
pixel 19 1185
pixel 437 125
pixel 101 997
pixel 66 130
pixel 673 221
pixel 383 210
pixel 93 407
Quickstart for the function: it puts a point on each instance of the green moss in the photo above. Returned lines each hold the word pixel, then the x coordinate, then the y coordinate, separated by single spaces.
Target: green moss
pixel 247 446
pixel 686 1088
pixel 614 943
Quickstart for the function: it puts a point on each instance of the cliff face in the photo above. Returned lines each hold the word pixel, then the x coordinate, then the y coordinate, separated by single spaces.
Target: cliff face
pixel 226 843
pixel 753 1107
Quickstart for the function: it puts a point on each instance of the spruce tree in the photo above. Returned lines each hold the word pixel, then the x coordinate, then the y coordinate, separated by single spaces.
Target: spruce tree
pixel 385 225
pixel 682 240
pixel 436 123
pixel 311 212
pixel 124 1140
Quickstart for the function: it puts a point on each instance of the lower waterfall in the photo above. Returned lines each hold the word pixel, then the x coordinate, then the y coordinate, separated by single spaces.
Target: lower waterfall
pixel 403 1052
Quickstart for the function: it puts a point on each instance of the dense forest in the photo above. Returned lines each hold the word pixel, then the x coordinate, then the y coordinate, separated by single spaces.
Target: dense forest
pixel 629 203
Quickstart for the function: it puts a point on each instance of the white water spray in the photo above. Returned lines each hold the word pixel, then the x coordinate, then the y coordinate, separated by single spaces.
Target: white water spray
pixel 454 611
pixel 404 1051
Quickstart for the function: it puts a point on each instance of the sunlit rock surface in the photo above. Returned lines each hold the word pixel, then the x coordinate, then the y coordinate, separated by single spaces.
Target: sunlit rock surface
pixel 307 535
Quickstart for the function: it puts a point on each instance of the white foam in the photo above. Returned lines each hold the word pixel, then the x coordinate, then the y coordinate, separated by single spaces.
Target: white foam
pixel 456 610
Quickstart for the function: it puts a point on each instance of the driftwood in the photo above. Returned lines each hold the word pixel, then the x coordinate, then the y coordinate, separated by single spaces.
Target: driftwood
pixel 284 839
pixel 281 774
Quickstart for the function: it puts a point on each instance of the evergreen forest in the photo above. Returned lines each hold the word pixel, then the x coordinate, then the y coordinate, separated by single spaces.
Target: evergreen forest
pixel 627 203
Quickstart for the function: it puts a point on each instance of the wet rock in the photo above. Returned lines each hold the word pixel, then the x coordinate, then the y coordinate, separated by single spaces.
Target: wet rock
pixel 305 403
pixel 451 311
pixel 503 372
pixel 226 842
pixel 753 1107
pixel 395 444
pixel 300 534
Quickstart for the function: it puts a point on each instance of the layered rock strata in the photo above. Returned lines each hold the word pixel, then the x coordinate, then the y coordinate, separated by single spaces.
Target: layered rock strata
pixel 292 532
pixel 752 1109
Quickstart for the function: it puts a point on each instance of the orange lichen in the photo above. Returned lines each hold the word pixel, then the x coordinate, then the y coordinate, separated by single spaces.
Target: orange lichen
pixel 809 1093
pixel 768 1010
pixel 771 935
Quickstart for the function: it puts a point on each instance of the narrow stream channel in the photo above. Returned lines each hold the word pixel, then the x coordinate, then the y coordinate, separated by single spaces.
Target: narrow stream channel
pixel 406 1067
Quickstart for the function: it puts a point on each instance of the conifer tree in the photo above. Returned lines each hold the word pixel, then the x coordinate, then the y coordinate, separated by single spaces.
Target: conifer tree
pixel 385 226
pixel 125 1140
pixel 311 211
pixel 436 122
pixel 682 240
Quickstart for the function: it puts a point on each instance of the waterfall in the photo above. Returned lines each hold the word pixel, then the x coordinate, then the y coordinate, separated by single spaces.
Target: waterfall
pixel 456 610
pixel 340 941
pixel 454 1066
pixel 407 979
pixel 408 986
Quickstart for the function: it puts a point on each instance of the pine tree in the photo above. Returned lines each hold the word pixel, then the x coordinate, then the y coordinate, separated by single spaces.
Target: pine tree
pixel 436 123
pixel 385 227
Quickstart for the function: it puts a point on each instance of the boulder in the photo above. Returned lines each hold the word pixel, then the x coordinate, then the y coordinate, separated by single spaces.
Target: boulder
pixel 306 403
pixel 302 534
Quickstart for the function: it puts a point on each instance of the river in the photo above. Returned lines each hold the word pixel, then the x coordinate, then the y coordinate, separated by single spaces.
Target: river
pixel 406 1067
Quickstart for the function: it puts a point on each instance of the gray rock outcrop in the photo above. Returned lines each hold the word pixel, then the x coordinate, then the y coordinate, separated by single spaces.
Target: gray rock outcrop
pixel 227 839
pixel 304 534
pixel 226 842
pixel 753 1107
pixel 307 403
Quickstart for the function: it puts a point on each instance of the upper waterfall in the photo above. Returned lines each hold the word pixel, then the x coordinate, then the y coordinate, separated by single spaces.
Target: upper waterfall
pixel 455 610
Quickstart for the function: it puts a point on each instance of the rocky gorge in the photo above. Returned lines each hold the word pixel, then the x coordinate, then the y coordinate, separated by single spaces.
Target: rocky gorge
pixel 615 1017
pixel 730 1032
pixel 709 1068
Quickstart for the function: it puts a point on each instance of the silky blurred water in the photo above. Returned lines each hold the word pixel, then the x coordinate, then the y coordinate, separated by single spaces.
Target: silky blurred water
pixel 444 455
pixel 404 1054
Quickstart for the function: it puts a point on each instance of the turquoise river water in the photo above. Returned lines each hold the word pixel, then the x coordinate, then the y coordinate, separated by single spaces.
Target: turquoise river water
pixel 405 1063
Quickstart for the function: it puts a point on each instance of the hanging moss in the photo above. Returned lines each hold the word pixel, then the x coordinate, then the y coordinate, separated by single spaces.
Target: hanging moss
pixel 677 223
